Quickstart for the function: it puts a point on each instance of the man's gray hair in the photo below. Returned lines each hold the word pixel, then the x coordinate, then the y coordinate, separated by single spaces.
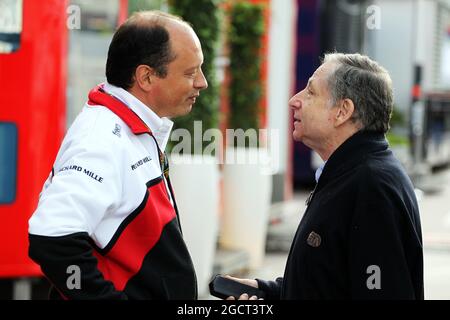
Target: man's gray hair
pixel 367 84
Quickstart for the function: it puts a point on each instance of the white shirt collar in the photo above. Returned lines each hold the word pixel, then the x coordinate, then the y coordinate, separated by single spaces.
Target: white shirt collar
pixel 161 127
pixel 319 171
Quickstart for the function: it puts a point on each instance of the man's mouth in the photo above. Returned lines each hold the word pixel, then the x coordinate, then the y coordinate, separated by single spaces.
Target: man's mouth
pixel 297 120
pixel 193 97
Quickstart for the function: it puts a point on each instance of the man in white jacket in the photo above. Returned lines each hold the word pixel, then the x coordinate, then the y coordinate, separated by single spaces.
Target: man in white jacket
pixel 106 226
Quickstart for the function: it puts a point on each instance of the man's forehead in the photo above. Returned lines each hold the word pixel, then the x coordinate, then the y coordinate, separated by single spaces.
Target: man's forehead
pixel 315 79
pixel 323 70
pixel 184 38
pixel 321 73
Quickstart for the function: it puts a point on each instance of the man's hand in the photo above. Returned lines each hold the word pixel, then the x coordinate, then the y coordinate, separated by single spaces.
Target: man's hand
pixel 244 296
pixel 249 282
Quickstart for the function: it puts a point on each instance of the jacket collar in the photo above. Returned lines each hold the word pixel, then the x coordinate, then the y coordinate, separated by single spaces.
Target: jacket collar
pixel 351 152
pixel 139 117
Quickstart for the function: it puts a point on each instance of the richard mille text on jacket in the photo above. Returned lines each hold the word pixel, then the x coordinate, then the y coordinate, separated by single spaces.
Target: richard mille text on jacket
pixel 140 163
pixel 89 173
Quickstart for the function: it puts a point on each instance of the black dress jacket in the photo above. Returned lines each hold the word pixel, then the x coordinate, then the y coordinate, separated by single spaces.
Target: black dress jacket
pixel 360 236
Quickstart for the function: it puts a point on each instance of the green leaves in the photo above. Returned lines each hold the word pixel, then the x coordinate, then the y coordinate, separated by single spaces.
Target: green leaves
pixel 138 5
pixel 203 15
pixel 246 31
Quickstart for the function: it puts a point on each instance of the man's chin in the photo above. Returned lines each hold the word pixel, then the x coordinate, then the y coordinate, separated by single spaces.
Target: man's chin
pixel 185 111
pixel 188 109
pixel 297 136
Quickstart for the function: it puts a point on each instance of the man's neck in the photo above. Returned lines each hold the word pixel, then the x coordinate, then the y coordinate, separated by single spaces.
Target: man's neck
pixel 330 145
pixel 142 97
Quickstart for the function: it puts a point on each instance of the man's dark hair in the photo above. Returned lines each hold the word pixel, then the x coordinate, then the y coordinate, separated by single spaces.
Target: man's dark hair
pixel 142 40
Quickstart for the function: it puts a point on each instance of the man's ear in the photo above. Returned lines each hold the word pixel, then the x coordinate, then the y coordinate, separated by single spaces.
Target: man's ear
pixel 143 77
pixel 345 112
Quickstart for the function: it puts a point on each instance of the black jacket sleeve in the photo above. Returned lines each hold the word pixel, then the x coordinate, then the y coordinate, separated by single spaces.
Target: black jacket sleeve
pixel 271 288
pixel 63 259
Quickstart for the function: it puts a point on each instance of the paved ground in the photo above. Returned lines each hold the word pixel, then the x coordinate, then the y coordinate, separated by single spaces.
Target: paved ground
pixel 435 215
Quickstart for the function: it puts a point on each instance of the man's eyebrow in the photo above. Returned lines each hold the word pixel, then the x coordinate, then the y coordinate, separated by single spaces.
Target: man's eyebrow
pixel 193 68
pixel 190 69
pixel 309 84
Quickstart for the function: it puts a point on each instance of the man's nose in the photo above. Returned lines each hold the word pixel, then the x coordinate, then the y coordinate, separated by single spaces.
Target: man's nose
pixel 295 102
pixel 200 82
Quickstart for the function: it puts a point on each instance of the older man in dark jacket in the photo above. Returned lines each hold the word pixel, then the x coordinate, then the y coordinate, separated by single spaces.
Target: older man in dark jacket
pixel 360 237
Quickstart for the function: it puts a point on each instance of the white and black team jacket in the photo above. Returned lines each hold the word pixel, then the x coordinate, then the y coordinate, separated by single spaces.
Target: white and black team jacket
pixel 107 209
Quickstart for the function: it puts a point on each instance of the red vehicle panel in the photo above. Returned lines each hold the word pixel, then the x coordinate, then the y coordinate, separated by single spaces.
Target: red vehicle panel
pixel 33 101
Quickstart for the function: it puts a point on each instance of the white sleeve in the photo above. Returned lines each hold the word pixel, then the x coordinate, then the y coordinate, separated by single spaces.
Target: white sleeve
pixel 85 185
